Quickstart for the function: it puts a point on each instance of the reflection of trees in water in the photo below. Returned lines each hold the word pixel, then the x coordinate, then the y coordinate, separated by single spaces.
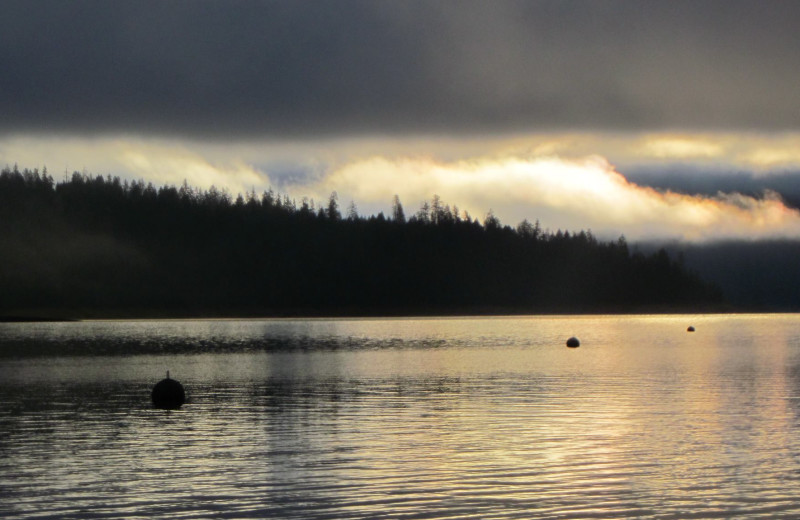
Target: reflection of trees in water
pixel 114 346
pixel 101 246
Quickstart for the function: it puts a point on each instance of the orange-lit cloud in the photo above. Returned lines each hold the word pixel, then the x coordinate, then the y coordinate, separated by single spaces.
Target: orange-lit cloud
pixel 566 181
pixel 565 194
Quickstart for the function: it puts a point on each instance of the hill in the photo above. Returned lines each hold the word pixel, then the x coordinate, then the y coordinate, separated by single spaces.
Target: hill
pixel 95 246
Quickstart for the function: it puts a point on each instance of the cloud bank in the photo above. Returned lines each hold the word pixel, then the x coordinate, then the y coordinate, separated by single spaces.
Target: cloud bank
pixel 553 178
pixel 221 69
pixel 567 194
pixel 162 163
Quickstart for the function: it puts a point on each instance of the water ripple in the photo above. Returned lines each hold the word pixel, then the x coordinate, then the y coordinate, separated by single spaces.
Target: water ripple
pixel 434 428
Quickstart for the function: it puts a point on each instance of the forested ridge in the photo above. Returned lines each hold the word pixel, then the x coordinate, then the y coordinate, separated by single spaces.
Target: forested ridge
pixel 94 246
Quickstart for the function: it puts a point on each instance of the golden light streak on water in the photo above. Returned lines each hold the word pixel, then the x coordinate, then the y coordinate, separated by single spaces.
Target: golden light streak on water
pixel 436 418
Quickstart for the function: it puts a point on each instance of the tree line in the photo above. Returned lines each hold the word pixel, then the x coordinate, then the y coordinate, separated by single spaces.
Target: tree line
pixel 100 246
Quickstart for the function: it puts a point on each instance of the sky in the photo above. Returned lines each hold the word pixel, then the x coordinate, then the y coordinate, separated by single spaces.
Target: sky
pixel 650 119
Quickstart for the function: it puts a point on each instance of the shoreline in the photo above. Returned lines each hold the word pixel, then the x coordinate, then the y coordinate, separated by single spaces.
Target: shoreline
pixel 244 314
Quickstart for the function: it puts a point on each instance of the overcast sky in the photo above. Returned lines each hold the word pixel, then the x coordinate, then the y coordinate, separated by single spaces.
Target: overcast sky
pixel 300 95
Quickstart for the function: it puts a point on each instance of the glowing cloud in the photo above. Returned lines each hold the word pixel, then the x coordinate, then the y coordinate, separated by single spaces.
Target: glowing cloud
pixel 771 157
pixel 565 194
pixel 750 151
pixel 555 178
pixel 683 147
pixel 172 166
pixel 164 162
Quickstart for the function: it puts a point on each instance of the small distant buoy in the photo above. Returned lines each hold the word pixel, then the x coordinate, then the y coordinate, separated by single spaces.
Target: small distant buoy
pixel 690 329
pixel 168 394
pixel 573 342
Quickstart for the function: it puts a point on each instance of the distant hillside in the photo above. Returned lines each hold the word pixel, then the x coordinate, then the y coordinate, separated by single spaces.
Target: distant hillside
pixel 100 247
pixel 759 275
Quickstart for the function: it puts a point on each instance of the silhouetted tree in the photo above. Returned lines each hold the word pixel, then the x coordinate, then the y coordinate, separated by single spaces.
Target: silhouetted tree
pixel 104 245
pixel 491 222
pixel 352 212
pixel 397 211
pixel 333 207
pixel 424 213
pixel 528 230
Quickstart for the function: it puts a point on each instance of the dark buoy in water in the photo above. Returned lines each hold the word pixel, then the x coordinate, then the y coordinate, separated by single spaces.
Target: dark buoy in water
pixel 690 329
pixel 168 394
pixel 573 342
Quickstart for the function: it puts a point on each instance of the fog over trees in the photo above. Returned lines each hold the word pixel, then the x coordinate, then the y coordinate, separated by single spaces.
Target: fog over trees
pixel 94 246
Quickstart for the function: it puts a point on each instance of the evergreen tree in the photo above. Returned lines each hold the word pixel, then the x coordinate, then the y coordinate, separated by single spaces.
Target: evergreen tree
pixel 397 211
pixel 333 207
pixel 104 245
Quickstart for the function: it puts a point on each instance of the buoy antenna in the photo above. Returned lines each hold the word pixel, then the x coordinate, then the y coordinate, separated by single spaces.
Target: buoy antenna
pixel 167 374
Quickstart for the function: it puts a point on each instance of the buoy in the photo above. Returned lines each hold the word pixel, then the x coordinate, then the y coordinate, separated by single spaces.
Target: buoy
pixel 573 342
pixel 690 329
pixel 168 394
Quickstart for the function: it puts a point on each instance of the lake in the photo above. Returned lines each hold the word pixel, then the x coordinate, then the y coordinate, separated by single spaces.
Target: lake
pixel 404 418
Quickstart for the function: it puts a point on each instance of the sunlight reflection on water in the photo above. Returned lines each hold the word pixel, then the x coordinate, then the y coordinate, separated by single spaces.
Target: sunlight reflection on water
pixel 449 418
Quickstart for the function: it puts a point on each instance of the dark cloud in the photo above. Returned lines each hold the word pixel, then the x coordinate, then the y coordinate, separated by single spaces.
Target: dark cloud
pixel 236 68
pixel 710 182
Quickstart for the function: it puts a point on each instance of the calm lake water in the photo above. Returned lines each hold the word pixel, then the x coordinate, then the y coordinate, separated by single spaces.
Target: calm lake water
pixel 404 418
